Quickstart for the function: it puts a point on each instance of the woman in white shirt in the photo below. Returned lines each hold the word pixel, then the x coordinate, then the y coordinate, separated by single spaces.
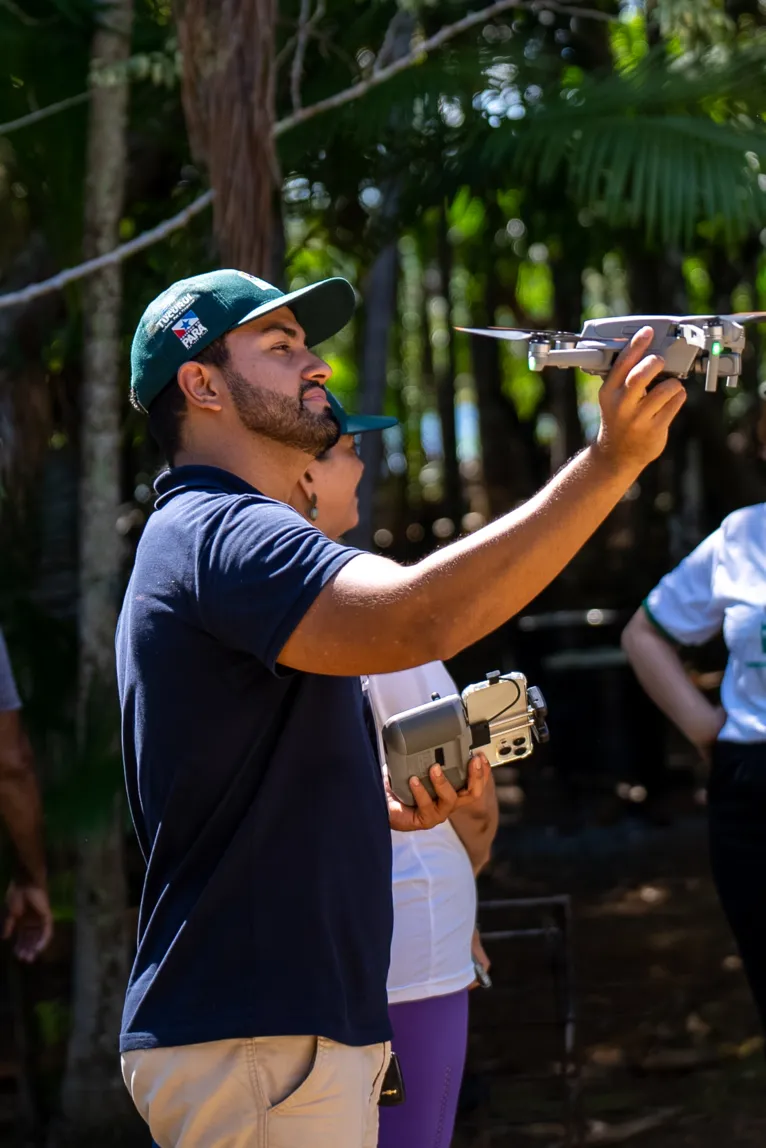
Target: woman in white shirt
pixel 720 586
pixel 434 941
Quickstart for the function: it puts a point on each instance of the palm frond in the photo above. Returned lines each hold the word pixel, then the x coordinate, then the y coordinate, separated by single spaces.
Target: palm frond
pixel 663 147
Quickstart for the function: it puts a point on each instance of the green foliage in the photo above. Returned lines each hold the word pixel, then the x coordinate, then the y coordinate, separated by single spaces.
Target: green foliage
pixel 659 145
pixel 466 216
pixel 53 1019
pixel 698 283
pixel 44 164
pixel 628 42
pixel 559 151
pixel 534 290
pixel 82 795
pixel 524 388
pixel 691 26
pixel 41 209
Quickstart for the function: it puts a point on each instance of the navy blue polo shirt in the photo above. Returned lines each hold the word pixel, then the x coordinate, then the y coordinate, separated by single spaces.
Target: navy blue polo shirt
pixel 254 790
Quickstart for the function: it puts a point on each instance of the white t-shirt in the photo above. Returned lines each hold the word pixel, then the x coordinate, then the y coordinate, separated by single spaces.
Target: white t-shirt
pixel 433 883
pixel 722 584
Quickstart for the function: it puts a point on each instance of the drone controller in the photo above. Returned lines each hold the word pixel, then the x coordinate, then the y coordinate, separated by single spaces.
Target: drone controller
pixel 706 345
pixel 497 717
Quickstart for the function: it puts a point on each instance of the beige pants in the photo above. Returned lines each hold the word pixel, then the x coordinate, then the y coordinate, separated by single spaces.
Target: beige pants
pixel 265 1092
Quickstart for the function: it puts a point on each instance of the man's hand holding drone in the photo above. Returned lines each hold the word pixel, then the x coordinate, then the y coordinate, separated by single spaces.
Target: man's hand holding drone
pixel 635 420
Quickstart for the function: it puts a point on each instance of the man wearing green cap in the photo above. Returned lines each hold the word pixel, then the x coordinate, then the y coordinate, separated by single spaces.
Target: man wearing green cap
pixel 256 1009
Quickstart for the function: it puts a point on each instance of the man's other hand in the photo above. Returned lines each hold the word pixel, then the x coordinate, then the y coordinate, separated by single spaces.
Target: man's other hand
pixel 28 920
pixel 426 813
pixel 634 419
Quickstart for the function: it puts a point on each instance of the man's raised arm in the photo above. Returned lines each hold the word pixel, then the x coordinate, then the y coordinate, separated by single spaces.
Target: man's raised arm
pixel 376 616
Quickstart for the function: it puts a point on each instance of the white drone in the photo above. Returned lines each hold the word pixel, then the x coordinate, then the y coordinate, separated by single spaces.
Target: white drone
pixel 709 345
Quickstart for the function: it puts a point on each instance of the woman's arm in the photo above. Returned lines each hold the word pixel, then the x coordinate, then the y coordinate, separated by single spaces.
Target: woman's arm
pixel 660 671
pixel 476 824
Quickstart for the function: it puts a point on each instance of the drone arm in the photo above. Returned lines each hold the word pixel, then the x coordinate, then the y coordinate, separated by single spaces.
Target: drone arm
pixel 592 360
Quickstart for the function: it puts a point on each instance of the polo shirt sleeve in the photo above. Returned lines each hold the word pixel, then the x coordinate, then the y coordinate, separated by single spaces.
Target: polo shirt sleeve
pixel 683 605
pixel 264 567
pixel 9 695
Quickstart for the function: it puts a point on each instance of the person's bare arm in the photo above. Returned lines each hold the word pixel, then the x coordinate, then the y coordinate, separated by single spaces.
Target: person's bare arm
pixel 660 671
pixel 28 914
pixel 20 805
pixel 376 616
pixel 476 824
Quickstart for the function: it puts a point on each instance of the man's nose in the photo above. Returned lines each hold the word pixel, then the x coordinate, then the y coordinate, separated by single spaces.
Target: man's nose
pixel 317 371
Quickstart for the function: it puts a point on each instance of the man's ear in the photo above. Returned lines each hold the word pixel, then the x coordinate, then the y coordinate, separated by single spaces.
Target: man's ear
pixel 201 387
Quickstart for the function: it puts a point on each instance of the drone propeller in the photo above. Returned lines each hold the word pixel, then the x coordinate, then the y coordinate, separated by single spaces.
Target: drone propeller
pixel 512 333
pixel 519 334
pixel 737 317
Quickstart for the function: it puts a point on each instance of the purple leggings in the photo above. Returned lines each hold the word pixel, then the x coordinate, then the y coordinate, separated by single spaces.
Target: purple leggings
pixel 430 1039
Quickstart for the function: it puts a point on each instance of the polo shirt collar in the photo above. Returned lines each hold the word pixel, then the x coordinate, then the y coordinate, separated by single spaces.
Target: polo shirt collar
pixel 179 479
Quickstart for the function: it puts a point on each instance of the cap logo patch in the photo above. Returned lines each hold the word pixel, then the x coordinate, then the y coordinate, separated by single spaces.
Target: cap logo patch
pixel 189 329
pixel 182 304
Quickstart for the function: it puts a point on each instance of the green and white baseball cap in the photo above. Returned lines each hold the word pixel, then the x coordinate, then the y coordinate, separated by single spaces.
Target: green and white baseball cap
pixel 188 316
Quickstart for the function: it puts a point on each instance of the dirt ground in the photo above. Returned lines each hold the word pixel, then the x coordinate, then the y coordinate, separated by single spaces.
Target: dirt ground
pixel 666 1032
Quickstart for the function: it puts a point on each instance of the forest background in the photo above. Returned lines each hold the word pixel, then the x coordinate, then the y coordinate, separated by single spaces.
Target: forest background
pixel 525 162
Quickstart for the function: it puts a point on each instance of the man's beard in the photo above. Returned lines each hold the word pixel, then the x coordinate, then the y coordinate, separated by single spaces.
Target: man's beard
pixel 281 418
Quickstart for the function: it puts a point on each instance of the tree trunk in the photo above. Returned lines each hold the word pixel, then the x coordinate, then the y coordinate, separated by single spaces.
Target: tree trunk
pixel 508 475
pixel 379 314
pixel 562 384
pixel 445 387
pixel 655 282
pixel 229 94
pixel 95 1103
